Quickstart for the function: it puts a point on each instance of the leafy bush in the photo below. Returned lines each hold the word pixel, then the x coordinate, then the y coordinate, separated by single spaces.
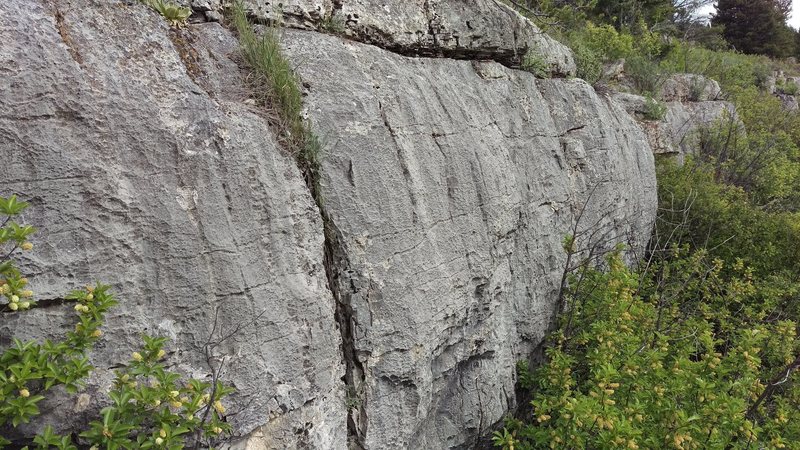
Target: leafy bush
pixel 646 74
pixel 150 407
pixel 607 41
pixel 675 356
pixel 654 109
pixel 697 347
pixel 588 63
pixel 589 66
pixel 765 161
pixel 724 220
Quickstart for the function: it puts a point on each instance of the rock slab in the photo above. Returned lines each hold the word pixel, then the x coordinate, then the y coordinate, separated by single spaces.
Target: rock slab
pixel 679 132
pixel 147 170
pixel 449 186
pixel 461 29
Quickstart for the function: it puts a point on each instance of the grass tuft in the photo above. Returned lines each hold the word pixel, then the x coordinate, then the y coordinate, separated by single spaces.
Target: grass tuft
pixel 277 87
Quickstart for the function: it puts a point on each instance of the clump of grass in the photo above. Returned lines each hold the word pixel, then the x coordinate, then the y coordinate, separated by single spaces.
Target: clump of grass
pixel 175 14
pixel 334 24
pixel 697 89
pixel 277 87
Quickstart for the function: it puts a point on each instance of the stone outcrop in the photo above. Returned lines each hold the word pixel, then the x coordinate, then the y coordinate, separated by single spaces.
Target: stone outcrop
pixel 690 87
pixel 679 131
pixel 448 183
pixel 785 88
pixel 467 29
pixel 147 170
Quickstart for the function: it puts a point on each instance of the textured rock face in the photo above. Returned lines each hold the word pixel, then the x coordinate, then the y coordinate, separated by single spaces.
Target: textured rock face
pixel 789 102
pixel 689 87
pixel 465 29
pixel 678 132
pixel 295 13
pixel 174 192
pixel 450 185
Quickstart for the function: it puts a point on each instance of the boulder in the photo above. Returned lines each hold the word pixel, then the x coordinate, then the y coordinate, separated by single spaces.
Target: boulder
pixel 789 102
pixel 678 132
pixel 304 14
pixel 613 71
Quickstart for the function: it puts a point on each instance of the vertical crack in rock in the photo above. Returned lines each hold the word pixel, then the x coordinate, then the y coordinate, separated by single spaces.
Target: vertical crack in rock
pixel 337 272
pixel 337 269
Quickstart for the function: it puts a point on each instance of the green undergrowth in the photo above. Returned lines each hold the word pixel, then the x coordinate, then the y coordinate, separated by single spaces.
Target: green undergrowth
pixel 652 50
pixel 695 345
pixel 277 88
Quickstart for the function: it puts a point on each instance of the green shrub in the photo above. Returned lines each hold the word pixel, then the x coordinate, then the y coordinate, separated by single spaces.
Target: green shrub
pixel 765 161
pixel 654 109
pixel 646 74
pixel 697 347
pixel 588 63
pixel 788 87
pixel 732 70
pixel 535 64
pixel 724 220
pixel 607 41
pixel 675 356
pixel 150 406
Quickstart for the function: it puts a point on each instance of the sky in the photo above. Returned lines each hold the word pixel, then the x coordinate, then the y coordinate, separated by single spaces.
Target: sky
pixel 794 19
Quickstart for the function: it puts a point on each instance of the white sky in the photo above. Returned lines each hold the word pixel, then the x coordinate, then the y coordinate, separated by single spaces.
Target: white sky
pixel 794 19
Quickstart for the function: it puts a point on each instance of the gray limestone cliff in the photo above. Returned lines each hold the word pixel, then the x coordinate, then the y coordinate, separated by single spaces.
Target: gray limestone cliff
pixel 449 179
pixel 693 104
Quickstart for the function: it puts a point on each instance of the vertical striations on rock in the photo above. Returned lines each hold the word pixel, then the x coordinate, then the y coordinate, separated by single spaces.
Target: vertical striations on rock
pixel 148 171
pixel 450 185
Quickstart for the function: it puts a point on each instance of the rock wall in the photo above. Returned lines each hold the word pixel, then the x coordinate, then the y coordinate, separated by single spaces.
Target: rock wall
pixel 151 173
pixel 448 184
pixel 693 104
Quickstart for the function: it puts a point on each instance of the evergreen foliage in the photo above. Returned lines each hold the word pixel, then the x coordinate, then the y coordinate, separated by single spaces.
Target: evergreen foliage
pixel 756 26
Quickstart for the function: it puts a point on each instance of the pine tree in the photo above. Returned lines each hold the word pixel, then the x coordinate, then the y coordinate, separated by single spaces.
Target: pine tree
pixel 756 26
